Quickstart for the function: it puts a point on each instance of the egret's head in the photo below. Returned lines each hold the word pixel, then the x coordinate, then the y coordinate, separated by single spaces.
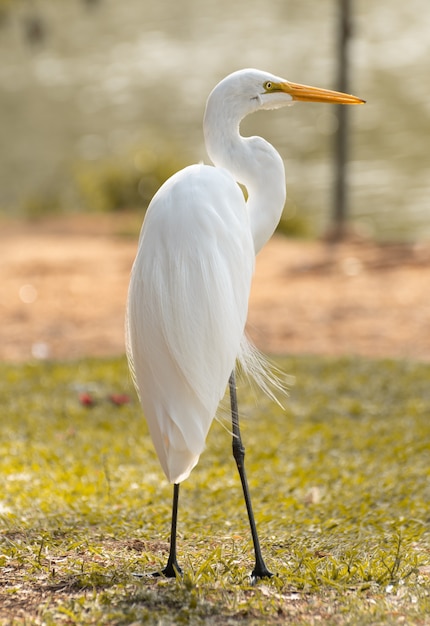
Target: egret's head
pixel 276 90
pixel 250 90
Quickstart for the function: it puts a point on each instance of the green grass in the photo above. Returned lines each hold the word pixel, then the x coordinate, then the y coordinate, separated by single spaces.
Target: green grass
pixel 340 482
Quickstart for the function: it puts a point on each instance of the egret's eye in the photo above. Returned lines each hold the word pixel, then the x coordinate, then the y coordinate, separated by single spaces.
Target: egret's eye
pixel 268 86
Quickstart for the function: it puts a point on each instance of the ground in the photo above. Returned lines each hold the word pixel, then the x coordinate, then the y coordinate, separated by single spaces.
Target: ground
pixel 63 292
pixel 64 285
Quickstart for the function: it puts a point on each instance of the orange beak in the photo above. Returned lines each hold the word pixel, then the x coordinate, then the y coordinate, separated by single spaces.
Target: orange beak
pixel 304 93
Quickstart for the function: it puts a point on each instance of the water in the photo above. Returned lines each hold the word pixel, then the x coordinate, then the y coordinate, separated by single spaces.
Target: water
pixel 139 72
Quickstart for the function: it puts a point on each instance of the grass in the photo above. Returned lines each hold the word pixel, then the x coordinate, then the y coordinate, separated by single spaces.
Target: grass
pixel 340 481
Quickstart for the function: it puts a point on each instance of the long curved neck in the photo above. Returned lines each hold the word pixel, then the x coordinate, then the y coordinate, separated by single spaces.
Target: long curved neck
pixel 253 162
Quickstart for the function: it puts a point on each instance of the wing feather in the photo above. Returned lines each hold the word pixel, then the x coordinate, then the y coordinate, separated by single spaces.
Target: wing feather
pixel 187 308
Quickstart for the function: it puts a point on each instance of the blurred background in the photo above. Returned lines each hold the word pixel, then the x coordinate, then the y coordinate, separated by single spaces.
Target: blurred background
pixel 101 100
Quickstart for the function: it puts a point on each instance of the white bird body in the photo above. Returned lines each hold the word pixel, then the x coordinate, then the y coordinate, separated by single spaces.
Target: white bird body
pixel 192 275
pixel 190 283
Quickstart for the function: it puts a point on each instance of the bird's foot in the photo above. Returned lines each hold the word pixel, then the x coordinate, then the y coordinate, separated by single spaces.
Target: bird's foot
pixel 260 572
pixel 172 570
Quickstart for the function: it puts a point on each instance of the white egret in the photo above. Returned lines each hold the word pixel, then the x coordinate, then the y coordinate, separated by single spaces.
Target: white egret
pixel 190 282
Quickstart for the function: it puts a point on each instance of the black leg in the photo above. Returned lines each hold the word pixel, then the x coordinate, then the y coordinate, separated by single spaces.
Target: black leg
pixel 260 570
pixel 172 568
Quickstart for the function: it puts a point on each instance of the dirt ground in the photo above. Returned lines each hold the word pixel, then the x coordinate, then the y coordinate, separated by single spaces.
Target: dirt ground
pixel 63 289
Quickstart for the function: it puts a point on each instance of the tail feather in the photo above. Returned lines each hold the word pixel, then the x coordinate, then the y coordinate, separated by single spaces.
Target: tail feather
pixel 256 366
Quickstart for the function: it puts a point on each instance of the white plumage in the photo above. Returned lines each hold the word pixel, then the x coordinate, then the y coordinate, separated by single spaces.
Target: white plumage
pixel 190 285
